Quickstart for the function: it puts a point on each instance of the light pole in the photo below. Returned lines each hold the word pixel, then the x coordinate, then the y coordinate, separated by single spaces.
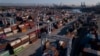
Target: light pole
pixel 49 28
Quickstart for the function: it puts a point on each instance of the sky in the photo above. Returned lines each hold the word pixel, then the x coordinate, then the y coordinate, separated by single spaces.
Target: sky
pixel 65 2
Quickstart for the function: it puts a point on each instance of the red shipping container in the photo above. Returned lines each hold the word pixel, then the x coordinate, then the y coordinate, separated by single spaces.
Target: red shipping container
pixel 31 24
pixel 33 36
pixel 14 27
pixel 27 25
pixel 23 28
pixel 24 39
pixel 3 46
pixel 16 43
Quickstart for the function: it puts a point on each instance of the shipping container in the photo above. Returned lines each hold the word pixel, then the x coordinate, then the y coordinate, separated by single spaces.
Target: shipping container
pixel 14 27
pixel 8 32
pixel 1 31
pixel 18 50
pixel 31 24
pixel 7 29
pixel 16 43
pixel 25 39
pixel 15 31
pixel 33 36
pixel 2 36
pixel 22 28
pixel 2 46
pixel 27 25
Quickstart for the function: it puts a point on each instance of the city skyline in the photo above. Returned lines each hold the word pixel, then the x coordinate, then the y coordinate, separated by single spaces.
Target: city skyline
pixel 50 2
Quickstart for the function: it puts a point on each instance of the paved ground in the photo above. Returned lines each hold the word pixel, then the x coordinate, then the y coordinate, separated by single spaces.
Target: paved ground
pixel 30 50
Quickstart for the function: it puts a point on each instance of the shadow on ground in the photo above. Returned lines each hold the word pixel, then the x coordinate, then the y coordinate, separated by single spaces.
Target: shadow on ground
pixel 2 41
pixel 64 30
pixel 37 53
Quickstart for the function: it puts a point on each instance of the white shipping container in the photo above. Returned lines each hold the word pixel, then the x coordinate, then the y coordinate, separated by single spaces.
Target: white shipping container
pixel 7 30
pixel 24 37
pixel 21 25
pixel 18 41
pixel 9 34
pixel 13 43
pixel 32 35
pixel 15 31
